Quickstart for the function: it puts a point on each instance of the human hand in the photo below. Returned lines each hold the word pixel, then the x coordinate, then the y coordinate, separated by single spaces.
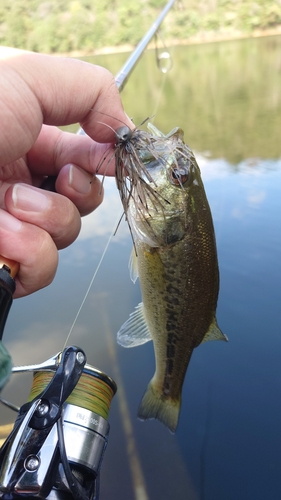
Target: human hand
pixel 37 94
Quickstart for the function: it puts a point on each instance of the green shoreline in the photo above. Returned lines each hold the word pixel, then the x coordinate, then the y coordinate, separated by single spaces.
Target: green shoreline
pixel 202 38
pixel 82 27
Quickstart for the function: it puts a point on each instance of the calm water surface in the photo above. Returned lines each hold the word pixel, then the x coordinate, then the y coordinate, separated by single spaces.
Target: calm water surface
pixel 227 98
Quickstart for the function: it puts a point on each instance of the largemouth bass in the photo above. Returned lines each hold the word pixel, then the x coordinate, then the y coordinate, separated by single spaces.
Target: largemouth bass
pixel 175 258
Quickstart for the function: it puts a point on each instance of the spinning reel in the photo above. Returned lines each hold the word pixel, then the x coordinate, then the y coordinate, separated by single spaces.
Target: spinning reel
pixel 56 447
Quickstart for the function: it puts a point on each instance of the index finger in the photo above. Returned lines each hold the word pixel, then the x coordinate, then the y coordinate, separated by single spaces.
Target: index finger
pixel 46 89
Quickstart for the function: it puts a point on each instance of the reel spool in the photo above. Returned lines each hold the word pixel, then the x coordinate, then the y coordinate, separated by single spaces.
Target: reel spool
pixel 56 448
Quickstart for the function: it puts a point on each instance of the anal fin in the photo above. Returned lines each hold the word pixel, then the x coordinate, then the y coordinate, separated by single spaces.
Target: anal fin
pixel 214 333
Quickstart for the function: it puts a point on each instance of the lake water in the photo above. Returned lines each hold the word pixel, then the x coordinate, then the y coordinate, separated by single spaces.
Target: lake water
pixel 227 98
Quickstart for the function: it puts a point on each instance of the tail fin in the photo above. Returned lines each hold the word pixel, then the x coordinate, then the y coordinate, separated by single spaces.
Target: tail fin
pixel 156 405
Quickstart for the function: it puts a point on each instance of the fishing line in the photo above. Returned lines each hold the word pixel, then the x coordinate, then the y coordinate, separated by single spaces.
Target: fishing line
pixel 160 57
pixel 93 278
pixel 160 93
pixel 94 390
pixel 164 64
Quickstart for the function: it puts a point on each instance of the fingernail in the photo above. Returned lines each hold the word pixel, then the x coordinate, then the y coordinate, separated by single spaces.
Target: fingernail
pixel 29 198
pixel 9 222
pixel 79 180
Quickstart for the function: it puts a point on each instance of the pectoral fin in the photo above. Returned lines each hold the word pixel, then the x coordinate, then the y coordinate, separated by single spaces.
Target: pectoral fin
pixel 135 331
pixel 133 266
pixel 214 333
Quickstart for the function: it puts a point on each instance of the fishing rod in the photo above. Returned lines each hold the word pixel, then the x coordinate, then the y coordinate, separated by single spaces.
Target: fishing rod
pixel 123 75
pixel 57 444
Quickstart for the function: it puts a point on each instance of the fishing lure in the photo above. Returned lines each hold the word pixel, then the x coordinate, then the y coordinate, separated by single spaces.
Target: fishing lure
pixel 136 153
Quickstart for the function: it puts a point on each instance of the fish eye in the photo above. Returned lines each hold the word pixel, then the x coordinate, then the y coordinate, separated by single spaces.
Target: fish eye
pixel 179 175
pixel 123 134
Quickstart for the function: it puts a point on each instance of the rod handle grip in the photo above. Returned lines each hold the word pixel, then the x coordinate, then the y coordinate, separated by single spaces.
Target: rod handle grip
pixel 12 265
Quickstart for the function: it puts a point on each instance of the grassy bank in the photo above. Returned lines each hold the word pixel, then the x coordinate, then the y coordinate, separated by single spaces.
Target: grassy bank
pixel 84 26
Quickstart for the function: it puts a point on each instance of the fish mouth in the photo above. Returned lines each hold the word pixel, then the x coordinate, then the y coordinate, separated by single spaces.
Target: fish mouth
pixel 152 217
pixel 149 167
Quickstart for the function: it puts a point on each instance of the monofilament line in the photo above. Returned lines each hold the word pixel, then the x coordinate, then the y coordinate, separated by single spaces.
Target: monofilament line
pixel 93 278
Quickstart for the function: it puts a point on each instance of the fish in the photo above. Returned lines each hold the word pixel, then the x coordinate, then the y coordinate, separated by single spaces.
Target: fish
pixel 5 365
pixel 175 258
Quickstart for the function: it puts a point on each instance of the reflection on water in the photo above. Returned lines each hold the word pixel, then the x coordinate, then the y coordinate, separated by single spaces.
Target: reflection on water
pixel 228 444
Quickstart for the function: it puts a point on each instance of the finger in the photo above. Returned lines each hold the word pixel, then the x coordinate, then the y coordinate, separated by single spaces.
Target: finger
pixel 30 246
pixel 83 189
pixel 55 91
pixel 54 149
pixel 50 212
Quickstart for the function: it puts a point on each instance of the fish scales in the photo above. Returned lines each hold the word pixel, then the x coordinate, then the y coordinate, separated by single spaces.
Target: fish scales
pixel 178 271
pixel 179 290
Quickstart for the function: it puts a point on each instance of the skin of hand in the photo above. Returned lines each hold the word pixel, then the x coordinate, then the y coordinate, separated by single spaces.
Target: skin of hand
pixel 38 93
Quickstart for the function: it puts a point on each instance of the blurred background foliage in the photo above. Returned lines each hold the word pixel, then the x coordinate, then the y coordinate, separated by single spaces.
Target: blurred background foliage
pixel 83 25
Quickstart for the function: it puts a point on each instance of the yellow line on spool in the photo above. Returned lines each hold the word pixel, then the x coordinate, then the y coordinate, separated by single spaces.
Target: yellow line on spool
pixel 90 392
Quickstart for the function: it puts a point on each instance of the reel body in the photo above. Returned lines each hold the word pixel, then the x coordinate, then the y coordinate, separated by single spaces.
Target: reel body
pixel 55 449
